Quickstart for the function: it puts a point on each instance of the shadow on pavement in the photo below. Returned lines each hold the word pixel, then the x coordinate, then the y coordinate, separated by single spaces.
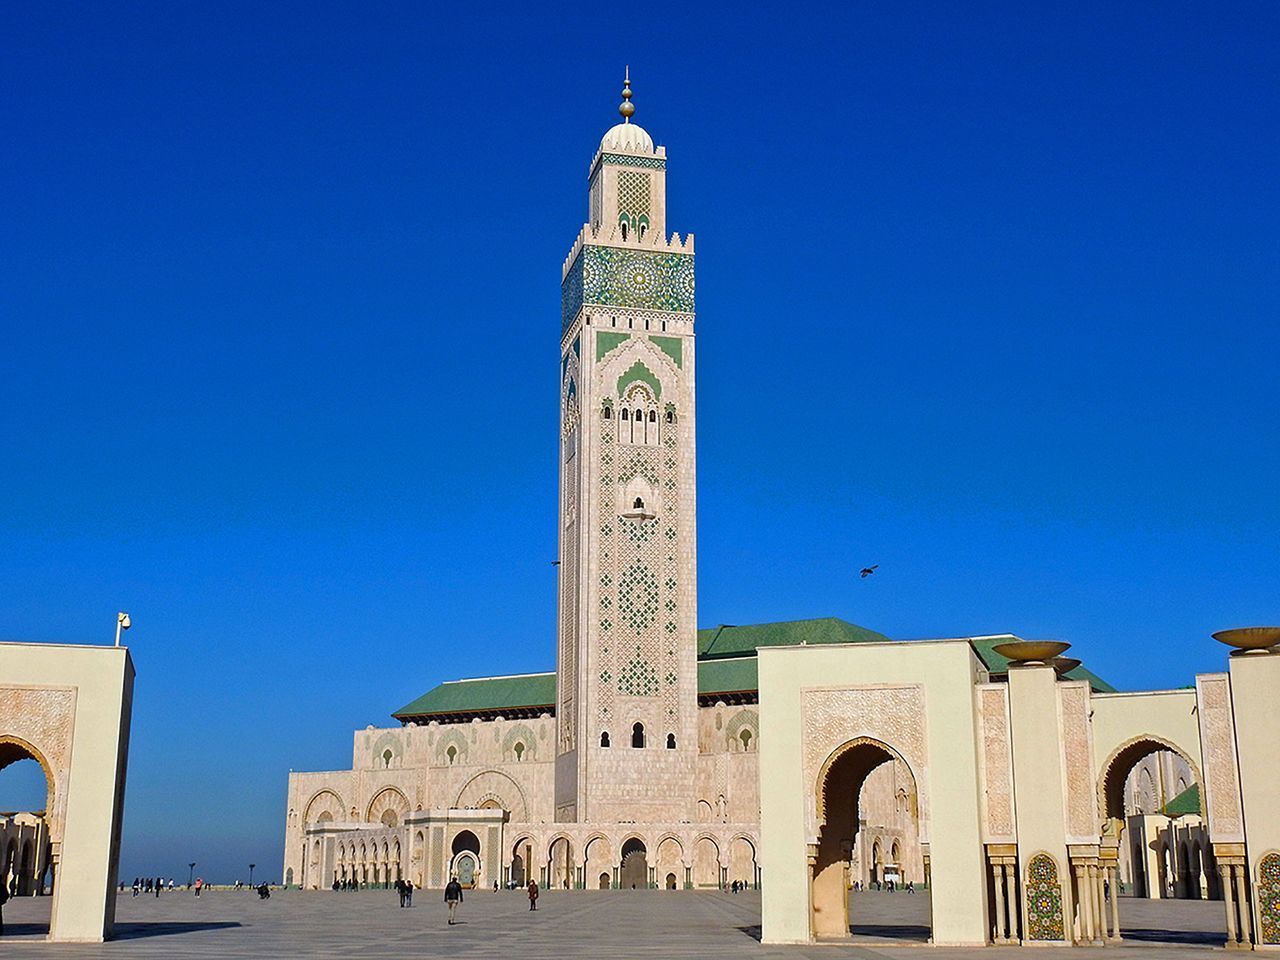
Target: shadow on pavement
pixel 890 931
pixel 1196 938
pixel 12 929
pixel 137 931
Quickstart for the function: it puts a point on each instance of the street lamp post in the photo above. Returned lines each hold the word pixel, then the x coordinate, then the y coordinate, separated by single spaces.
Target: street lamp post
pixel 191 872
pixel 122 623
pixel 251 866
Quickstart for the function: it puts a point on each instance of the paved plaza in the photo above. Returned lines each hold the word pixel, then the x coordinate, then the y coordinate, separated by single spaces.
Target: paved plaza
pixel 567 926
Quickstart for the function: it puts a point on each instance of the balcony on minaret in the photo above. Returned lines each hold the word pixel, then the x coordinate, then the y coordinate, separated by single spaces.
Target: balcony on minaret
pixel 638 511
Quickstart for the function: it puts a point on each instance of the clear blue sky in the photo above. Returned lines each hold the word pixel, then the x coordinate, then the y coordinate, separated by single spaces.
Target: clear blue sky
pixel 987 295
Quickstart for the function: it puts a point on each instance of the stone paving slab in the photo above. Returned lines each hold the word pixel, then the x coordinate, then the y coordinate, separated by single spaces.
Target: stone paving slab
pixel 599 925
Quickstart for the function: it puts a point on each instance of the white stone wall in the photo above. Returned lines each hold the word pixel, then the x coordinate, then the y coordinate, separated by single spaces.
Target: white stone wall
pixel 712 838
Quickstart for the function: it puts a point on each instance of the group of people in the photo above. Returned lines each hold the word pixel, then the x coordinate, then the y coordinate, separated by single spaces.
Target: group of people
pixel 453 896
pixel 148 885
pixel 888 886
pixel 405 889
pixel 738 886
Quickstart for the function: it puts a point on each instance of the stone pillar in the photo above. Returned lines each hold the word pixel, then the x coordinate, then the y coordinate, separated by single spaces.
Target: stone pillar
pixel 1099 901
pixel 1084 902
pixel 1246 911
pixel 997 880
pixel 1113 884
pixel 1224 875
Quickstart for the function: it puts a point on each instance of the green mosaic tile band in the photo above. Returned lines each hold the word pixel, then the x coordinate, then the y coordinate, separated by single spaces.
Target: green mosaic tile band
pixel 616 277
pixel 624 160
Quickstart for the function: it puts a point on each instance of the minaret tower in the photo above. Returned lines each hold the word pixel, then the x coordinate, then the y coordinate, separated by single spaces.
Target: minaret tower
pixel 627 683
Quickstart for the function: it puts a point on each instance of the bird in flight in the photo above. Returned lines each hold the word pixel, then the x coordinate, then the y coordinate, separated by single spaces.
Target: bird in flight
pixel 868 571
pixel 555 563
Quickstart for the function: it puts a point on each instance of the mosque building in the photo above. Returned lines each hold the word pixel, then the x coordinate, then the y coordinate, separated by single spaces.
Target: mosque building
pixel 658 755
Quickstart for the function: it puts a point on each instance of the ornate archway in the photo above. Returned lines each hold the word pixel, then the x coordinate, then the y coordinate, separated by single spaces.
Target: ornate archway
pixel 837 795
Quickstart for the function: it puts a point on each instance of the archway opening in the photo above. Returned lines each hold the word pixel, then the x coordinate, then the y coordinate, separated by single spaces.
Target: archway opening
pixel 633 871
pixel 1156 835
pixel 26 798
pixel 604 881
pixel 862 819
pixel 466 858
pixel 560 859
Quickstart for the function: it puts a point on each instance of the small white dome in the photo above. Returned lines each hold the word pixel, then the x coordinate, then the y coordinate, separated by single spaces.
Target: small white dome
pixel 627 136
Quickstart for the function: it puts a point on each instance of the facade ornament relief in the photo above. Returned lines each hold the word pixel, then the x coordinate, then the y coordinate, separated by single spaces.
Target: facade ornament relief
pixel 892 715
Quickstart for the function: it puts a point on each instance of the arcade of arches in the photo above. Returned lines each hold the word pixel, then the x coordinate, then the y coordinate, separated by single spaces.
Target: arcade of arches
pixel 1080 798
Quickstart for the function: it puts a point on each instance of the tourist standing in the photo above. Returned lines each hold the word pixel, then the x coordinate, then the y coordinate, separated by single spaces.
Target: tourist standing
pixel 533 895
pixel 199 884
pixel 408 893
pixel 453 897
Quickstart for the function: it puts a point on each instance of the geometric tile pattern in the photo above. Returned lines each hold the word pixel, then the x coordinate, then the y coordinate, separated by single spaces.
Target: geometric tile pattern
pixel 1269 898
pixel 616 277
pixel 1044 899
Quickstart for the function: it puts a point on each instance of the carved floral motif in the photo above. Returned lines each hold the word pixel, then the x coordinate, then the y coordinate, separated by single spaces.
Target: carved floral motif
pixel 1217 742
pixel 893 715
pixel 996 759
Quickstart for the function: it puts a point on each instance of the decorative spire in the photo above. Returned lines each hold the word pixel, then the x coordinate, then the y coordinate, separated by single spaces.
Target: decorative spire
pixel 626 108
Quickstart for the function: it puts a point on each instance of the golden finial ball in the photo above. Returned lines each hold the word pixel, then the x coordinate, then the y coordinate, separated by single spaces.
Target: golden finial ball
pixel 626 108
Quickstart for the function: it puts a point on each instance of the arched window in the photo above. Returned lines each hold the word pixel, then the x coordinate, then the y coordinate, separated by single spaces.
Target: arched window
pixel 639 504
pixel 637 735
pixel 452 753
pixel 624 229
pixel 671 416
pixel 625 415
pixel 639 415
pixel 386 757
pixel 671 741
pixel 608 413
pixel 653 416
pixel 745 737
pixel 604 739
pixel 519 751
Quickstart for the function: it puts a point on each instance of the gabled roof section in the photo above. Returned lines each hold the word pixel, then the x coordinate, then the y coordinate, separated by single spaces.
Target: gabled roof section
pixel 731 641
pixel 730 675
pixel 1184 804
pixel 998 665
pixel 487 694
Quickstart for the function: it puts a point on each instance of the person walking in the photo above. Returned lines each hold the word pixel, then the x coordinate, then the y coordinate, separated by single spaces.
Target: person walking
pixel 453 897
pixel 408 893
pixel 199 885
pixel 533 894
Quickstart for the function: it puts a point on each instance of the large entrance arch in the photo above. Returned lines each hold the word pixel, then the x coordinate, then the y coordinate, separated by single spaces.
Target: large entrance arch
pixel 633 872
pixel 466 858
pixel 1155 835
pixel 839 790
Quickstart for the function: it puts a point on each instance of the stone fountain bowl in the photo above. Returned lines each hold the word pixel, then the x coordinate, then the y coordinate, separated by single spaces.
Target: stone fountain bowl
pixel 1249 638
pixel 1064 665
pixel 1031 651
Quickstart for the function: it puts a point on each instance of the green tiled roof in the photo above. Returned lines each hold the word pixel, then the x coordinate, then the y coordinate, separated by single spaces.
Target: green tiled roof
pixel 999 665
pixel 491 693
pixel 730 641
pixel 735 675
pixel 726 664
pixel 1187 802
